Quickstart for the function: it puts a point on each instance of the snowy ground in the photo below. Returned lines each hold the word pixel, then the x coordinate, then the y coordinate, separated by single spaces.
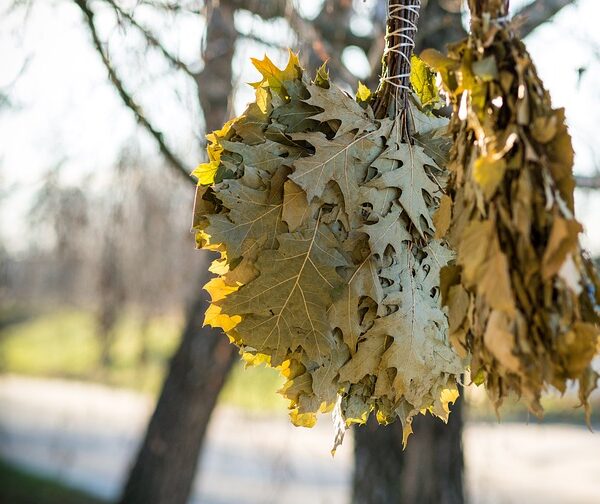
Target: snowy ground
pixel 86 435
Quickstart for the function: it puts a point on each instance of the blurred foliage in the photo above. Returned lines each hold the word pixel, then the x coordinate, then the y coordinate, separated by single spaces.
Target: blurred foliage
pixel 253 389
pixel 21 487
pixel 557 408
pixel 63 344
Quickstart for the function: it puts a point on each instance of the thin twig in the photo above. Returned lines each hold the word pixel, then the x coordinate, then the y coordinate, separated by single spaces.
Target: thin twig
pixel 127 99
pixel 151 38
pixel 588 182
pixel 536 14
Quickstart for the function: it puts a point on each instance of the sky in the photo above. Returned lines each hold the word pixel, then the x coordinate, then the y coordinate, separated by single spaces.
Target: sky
pixel 66 113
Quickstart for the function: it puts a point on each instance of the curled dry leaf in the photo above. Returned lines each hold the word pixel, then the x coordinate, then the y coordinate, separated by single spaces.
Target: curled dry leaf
pixel 523 298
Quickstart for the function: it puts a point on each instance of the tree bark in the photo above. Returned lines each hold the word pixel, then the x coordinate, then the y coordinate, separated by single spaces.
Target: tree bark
pixel 167 461
pixel 164 470
pixel 429 471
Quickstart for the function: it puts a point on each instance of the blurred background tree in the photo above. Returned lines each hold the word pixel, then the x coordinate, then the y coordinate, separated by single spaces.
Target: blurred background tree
pixel 118 249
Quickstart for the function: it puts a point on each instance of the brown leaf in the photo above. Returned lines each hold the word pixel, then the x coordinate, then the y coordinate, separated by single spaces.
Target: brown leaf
pixel 443 217
pixel 564 240
pixel 500 341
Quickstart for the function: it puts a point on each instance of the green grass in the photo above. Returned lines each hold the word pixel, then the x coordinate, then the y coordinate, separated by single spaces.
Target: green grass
pixel 21 487
pixel 63 344
pixel 254 389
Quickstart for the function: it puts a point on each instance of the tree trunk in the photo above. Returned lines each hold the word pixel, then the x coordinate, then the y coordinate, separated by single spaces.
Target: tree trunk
pixel 429 471
pixel 164 470
pixel 167 461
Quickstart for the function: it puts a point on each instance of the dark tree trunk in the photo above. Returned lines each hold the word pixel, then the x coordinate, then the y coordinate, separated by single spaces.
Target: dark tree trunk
pixel 429 471
pixel 167 461
pixel 164 470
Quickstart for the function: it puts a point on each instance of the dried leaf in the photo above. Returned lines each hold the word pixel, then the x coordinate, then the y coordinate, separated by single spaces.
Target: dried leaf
pixel 521 296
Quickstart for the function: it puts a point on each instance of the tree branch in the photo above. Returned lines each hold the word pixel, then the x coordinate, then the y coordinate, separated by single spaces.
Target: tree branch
pixel 189 7
pixel 588 182
pixel 151 38
pixel 266 10
pixel 170 156
pixel 537 13
pixel 256 38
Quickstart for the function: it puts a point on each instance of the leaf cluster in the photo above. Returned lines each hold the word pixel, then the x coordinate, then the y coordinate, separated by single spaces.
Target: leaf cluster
pixel 523 298
pixel 329 268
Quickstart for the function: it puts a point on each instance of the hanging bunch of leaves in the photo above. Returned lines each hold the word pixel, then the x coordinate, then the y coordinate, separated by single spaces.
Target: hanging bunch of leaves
pixel 321 206
pixel 522 297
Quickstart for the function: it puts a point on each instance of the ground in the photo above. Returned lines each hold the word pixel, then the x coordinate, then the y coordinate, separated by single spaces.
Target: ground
pixel 84 435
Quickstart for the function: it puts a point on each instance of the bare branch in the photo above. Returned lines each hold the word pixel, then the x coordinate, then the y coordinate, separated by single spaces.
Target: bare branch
pixel 189 7
pixel 537 13
pixel 266 10
pixel 589 182
pixel 151 38
pixel 127 99
pixel 441 23
pixel 256 38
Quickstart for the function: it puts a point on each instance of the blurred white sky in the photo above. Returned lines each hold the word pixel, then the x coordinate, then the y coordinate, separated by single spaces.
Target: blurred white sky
pixel 67 111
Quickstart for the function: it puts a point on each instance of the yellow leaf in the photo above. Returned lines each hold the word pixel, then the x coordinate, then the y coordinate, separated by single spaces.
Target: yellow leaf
pixel 214 147
pixel 255 359
pixel 441 64
pixel 448 397
pixel 436 60
pixel 218 289
pixel 488 173
pixel 422 80
pixel 205 173
pixel 262 99
pixel 358 419
pixel 406 432
pixel 291 368
pixel 363 93
pixel 322 77
pixel 303 419
pixel 274 76
pixel 214 318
